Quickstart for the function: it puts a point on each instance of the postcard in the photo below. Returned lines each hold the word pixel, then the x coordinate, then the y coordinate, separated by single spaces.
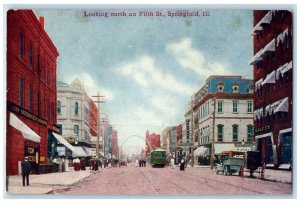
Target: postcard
pixel 149 102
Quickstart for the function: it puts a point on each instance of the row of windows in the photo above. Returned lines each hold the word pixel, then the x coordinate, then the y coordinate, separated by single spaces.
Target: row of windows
pixel 49 106
pixel 76 129
pixel 271 118
pixel 235 107
pixel 59 107
pixel 49 76
pixel 235 133
pixel 271 87
pixel 277 18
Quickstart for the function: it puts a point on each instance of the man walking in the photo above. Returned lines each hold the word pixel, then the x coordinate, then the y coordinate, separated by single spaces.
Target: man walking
pixel 25 171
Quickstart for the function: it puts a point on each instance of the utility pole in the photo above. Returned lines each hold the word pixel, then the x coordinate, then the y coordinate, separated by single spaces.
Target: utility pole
pixel 213 136
pixel 192 135
pixel 98 101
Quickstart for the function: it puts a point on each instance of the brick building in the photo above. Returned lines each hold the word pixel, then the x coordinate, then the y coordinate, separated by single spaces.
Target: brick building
pixel 31 91
pixel 273 77
pixel 154 140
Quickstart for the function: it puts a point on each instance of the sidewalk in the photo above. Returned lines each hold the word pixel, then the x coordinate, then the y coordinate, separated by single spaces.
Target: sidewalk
pixel 46 183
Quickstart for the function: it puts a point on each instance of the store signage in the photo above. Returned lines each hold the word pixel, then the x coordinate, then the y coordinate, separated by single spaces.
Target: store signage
pixel 16 109
pixel 263 129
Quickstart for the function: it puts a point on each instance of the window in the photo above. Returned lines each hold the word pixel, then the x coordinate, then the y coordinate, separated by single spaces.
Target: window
pixel 21 92
pixel 249 133
pixel 220 133
pixel 21 45
pixel 235 107
pixel 31 54
pixel 76 130
pixel 235 89
pixel 39 103
pixel 38 64
pixel 58 107
pixel 235 132
pixel 76 108
pixel 31 99
pixel 220 106
pixel 60 126
pixel 250 107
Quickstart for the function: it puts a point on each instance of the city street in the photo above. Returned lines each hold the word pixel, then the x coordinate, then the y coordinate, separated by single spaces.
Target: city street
pixel 133 180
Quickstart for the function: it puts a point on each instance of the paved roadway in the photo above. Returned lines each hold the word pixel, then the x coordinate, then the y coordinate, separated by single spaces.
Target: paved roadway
pixel 133 180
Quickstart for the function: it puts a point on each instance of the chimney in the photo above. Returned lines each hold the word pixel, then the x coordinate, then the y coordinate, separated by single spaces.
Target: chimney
pixel 42 22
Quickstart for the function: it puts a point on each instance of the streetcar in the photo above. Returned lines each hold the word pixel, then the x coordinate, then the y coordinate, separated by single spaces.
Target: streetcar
pixel 158 157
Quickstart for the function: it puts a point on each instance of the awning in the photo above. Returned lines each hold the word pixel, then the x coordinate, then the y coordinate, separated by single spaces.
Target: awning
pixel 279 70
pixel 281 36
pixel 258 113
pixel 265 20
pixel 201 151
pixel 223 147
pixel 288 67
pixel 258 84
pixel 92 152
pixel 270 78
pixel 26 131
pixel 264 135
pixel 79 152
pixel 256 58
pixel 62 140
pixel 268 48
pixel 283 105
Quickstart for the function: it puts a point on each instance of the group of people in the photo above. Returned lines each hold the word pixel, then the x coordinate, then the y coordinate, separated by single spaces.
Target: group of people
pixel 182 164
pixel 140 163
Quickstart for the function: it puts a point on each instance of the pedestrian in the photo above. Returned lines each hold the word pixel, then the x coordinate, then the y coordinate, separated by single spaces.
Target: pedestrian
pixel 26 171
pixel 182 164
pixel 140 163
pixel 136 163
pixel 172 163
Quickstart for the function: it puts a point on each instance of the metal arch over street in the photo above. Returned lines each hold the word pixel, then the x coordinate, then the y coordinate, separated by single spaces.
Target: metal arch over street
pixel 148 143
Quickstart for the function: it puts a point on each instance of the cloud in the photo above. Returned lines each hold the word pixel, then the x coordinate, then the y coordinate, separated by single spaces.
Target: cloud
pixel 144 72
pixel 192 59
pixel 90 86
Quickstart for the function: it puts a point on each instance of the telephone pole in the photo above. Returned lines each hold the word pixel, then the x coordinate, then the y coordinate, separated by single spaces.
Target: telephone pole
pixel 98 101
pixel 212 156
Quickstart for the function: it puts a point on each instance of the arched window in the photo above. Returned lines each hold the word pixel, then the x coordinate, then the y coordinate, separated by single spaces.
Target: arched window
pixel 58 107
pixel 76 108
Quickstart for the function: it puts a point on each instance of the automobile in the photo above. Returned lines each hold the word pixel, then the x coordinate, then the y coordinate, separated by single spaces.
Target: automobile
pixel 230 162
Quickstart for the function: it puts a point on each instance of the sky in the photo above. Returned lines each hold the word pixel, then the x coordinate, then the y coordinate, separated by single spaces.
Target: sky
pixel 148 67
